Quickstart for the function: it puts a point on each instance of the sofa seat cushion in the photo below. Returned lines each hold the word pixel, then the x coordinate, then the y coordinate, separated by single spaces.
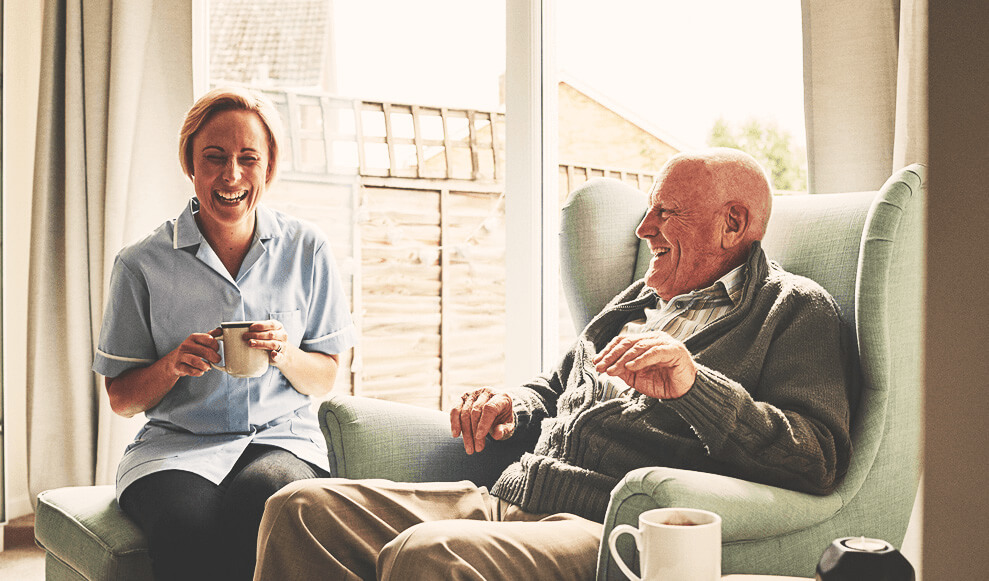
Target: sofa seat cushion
pixel 84 529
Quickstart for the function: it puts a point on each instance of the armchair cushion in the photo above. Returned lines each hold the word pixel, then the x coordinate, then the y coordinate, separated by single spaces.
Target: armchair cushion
pixel 87 536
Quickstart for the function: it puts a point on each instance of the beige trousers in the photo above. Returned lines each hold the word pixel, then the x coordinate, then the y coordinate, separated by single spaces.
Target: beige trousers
pixel 365 529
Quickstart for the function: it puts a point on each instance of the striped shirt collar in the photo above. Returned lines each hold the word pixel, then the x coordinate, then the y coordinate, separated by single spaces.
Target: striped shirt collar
pixel 682 317
pixel 730 285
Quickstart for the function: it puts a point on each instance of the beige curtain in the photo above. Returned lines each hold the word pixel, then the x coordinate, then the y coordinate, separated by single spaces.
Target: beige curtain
pixel 865 99
pixel 865 91
pixel 116 80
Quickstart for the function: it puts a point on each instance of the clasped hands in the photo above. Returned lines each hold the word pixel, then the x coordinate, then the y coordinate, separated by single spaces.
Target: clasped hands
pixel 194 355
pixel 654 364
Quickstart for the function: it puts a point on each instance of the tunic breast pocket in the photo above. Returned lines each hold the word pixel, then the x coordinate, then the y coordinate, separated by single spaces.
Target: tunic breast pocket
pixel 293 323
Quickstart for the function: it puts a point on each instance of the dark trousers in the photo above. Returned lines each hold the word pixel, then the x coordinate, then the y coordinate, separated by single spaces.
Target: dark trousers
pixel 200 530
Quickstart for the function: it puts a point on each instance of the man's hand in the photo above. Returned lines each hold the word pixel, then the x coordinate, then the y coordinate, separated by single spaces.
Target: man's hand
pixel 654 364
pixel 479 413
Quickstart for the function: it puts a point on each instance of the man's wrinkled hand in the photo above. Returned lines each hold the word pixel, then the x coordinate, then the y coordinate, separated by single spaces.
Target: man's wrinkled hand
pixel 482 412
pixel 654 364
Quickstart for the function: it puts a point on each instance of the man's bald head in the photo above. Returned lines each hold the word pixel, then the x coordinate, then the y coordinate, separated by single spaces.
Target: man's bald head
pixel 735 177
pixel 706 209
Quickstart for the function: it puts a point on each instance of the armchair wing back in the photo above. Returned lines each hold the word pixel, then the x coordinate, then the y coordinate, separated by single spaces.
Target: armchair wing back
pixel 866 249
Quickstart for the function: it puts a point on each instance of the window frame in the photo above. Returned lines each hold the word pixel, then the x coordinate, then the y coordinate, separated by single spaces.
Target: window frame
pixel 531 205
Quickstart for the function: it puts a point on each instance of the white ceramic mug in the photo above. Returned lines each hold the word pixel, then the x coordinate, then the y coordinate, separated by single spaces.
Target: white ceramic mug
pixel 675 544
pixel 240 359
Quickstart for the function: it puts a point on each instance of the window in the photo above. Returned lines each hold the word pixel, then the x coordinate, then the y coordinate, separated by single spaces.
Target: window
pixel 643 79
pixel 396 147
pixel 400 147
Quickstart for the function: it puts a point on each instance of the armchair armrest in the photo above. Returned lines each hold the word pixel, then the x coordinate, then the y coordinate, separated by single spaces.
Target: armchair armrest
pixel 369 438
pixel 749 511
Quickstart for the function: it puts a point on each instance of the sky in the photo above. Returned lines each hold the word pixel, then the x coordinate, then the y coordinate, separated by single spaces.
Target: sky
pixel 676 65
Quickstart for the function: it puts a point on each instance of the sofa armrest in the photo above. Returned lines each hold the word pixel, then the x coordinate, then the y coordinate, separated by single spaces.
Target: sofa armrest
pixel 749 511
pixel 369 438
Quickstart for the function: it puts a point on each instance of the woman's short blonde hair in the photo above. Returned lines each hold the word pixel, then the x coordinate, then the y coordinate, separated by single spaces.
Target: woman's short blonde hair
pixel 227 99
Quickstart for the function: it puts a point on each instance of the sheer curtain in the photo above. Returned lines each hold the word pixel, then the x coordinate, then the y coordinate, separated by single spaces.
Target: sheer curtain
pixel 865 91
pixel 116 80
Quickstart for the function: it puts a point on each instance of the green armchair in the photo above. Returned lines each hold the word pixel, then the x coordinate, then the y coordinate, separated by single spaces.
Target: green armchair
pixel 865 248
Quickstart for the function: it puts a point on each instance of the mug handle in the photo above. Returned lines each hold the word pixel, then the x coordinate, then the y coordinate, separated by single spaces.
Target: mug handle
pixel 617 532
pixel 222 368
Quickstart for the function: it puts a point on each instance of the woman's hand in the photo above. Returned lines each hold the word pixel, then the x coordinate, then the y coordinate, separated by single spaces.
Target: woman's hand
pixel 140 389
pixel 271 336
pixel 310 372
pixel 194 355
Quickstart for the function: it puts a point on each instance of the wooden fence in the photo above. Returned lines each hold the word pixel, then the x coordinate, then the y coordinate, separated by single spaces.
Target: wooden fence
pixel 412 199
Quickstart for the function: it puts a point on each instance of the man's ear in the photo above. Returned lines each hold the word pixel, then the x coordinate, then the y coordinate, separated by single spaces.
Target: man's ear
pixel 735 226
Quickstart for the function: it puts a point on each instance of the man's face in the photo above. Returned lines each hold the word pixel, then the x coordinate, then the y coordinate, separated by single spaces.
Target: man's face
pixel 683 228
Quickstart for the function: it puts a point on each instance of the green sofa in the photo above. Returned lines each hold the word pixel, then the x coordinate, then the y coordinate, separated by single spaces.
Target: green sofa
pixel 865 248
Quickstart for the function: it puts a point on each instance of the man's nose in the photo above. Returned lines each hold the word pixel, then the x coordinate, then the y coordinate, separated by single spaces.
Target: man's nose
pixel 645 228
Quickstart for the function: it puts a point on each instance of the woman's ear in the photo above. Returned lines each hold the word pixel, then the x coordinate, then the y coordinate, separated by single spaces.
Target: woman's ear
pixel 735 226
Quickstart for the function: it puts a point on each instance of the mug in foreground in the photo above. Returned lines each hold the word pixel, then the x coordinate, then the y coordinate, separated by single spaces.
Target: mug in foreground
pixel 675 544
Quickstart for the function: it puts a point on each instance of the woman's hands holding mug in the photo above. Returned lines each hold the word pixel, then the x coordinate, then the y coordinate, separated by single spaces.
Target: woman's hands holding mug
pixel 141 388
pixel 271 336
pixel 194 355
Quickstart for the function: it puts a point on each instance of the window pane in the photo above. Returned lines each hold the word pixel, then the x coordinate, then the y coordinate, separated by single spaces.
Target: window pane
pixel 643 79
pixel 395 147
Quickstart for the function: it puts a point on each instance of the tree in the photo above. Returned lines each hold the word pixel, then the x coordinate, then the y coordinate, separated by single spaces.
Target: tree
pixel 770 145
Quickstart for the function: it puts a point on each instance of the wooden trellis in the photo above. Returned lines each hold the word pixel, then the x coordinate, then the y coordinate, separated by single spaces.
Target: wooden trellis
pixel 412 198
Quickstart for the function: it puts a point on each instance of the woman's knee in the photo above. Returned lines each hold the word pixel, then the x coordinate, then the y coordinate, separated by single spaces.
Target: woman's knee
pixel 265 476
pixel 250 491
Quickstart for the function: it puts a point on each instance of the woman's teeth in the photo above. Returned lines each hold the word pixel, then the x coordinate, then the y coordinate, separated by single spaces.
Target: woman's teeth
pixel 231 196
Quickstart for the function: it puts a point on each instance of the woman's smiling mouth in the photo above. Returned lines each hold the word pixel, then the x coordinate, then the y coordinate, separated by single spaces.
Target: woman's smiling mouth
pixel 230 197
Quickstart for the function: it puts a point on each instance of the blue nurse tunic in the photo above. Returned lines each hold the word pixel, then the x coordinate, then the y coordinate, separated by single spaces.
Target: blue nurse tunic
pixel 170 285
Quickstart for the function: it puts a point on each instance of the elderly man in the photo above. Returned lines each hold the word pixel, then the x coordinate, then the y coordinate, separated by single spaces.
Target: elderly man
pixel 717 361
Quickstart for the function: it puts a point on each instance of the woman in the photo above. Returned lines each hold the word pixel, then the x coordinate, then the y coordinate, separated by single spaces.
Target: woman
pixel 215 447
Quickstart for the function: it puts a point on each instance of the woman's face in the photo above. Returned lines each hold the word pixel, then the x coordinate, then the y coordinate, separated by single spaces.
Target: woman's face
pixel 230 167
